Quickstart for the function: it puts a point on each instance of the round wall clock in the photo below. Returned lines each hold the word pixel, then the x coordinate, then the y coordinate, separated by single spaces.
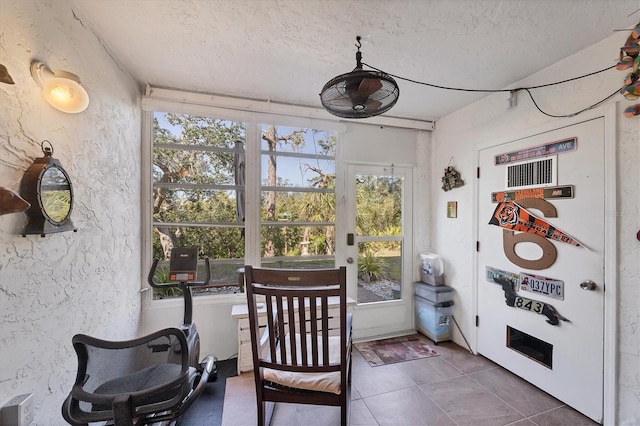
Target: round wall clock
pixel 46 185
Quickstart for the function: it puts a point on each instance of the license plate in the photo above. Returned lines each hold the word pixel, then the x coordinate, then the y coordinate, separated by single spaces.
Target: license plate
pixel 529 305
pixel 493 273
pixel 542 285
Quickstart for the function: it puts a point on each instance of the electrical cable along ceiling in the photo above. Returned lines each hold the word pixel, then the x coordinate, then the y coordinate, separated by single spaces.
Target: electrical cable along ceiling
pixel 363 93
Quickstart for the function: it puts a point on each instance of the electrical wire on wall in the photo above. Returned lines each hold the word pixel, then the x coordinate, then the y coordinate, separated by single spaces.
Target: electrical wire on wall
pixel 526 89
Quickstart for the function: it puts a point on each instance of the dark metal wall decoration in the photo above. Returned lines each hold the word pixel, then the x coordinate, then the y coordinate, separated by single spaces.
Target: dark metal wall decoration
pixel 509 282
pixel 47 187
pixel 451 179
pixel 513 300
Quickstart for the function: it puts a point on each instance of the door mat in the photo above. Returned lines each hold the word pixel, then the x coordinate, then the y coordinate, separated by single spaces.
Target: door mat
pixel 397 349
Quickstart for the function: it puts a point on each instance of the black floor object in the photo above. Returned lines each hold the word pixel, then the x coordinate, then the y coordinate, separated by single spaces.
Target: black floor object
pixel 207 409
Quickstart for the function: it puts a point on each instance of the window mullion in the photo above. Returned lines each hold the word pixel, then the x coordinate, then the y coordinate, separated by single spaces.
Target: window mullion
pixel 252 188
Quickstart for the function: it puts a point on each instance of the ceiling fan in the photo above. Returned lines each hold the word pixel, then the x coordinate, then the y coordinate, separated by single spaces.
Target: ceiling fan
pixel 359 93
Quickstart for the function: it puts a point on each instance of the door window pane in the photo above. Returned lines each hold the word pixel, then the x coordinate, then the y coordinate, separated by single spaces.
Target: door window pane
pixel 379 271
pixel 378 205
pixel 379 236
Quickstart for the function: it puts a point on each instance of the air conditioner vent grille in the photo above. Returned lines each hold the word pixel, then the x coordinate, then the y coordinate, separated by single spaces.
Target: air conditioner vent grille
pixel 532 173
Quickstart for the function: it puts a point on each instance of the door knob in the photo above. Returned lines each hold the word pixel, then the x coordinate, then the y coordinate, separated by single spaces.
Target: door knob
pixel 588 285
pixel 349 260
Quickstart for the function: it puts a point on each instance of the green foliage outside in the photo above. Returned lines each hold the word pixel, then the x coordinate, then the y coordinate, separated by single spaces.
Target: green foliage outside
pixel 207 213
pixel 371 265
pixel 162 276
pixel 192 166
pixel 379 210
pixel 196 151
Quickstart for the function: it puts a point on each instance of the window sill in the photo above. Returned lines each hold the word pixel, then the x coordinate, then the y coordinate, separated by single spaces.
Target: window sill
pixel 226 299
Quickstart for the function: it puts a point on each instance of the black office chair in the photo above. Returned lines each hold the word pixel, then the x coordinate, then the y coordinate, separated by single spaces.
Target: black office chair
pixel 139 381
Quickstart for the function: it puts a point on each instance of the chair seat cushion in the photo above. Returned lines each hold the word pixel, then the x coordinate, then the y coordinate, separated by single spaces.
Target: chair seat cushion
pixel 323 382
pixel 141 380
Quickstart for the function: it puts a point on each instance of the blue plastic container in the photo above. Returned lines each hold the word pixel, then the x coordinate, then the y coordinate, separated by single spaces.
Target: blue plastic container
pixel 434 319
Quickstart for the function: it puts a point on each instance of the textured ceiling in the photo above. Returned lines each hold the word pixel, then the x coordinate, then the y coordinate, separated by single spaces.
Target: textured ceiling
pixel 286 50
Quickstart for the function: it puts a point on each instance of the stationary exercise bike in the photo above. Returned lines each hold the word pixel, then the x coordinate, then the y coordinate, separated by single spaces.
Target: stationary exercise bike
pixel 183 267
pixel 153 379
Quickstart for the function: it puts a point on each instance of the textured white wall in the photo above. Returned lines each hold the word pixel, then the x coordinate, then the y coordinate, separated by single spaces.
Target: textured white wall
pixel 54 287
pixel 458 134
pixel 62 284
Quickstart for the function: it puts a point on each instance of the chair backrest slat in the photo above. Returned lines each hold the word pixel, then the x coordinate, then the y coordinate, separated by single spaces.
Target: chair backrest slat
pixel 281 328
pixel 302 314
pixel 325 327
pixel 291 331
pixel 314 329
pixel 271 327
pixel 297 305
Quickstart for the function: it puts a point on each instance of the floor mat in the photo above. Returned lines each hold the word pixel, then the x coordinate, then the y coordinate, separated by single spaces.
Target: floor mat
pixel 397 349
pixel 207 409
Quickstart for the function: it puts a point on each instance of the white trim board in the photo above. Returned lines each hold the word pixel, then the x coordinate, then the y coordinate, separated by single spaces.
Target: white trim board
pixel 223 106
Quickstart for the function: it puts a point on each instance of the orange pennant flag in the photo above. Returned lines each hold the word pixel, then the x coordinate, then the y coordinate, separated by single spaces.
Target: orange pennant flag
pixel 511 215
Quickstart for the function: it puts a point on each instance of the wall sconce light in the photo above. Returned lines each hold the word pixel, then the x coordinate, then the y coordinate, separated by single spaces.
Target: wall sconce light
pixel 61 89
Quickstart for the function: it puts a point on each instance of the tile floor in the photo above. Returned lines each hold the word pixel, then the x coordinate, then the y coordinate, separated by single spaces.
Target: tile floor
pixel 454 388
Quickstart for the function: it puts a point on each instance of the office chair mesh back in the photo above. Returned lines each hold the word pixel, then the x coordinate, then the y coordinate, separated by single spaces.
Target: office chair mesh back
pixel 152 373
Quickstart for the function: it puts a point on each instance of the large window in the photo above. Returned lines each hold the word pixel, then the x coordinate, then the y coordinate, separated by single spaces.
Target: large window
pixel 201 180
pixel 298 197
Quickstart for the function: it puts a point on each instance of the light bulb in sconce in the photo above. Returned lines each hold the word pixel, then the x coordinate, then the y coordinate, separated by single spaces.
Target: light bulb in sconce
pixel 61 89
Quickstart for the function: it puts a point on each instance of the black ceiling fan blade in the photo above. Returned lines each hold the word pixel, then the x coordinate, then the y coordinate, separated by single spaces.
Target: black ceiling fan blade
pixel 369 86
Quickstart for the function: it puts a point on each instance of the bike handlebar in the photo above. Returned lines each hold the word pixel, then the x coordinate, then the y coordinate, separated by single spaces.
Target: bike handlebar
pixel 153 283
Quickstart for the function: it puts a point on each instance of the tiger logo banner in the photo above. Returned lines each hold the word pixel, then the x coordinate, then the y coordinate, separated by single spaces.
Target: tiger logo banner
pixel 511 215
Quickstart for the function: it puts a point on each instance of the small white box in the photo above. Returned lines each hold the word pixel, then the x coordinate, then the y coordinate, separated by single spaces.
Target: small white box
pixel 18 411
pixel 431 269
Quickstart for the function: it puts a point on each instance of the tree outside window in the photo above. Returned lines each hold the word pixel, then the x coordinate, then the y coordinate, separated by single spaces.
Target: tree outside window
pixel 199 189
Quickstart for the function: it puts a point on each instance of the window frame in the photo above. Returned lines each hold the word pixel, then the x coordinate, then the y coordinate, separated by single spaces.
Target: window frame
pixel 253 184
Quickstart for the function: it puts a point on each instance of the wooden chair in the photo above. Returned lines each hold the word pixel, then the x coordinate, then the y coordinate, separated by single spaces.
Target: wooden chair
pixel 301 355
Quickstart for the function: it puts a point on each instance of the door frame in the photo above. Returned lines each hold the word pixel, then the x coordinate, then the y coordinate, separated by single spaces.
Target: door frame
pixel 362 312
pixel 610 347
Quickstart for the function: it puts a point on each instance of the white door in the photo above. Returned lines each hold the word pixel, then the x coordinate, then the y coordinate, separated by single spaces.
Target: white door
pixel 566 359
pixel 379 248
